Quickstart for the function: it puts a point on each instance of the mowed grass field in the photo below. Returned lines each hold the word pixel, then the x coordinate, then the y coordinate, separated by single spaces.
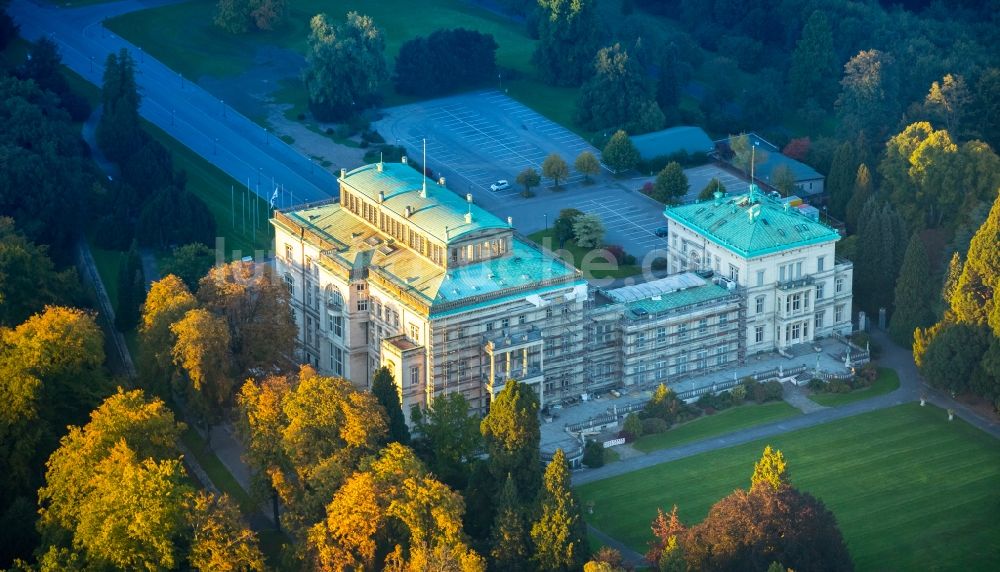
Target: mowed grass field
pixel 910 490
pixel 198 48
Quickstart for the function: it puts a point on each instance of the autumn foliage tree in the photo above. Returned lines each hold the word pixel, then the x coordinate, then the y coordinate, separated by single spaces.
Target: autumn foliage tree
pixel 201 352
pixel 554 167
pixel 241 16
pixel 587 165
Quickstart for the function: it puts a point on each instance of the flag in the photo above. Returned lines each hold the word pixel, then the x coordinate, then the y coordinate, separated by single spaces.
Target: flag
pixel 274 197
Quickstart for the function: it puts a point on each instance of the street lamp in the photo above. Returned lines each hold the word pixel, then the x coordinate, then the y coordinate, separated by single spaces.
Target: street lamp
pixel 265 136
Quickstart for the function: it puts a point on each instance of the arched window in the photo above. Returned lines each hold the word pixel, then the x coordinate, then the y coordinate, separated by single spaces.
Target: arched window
pixel 334 299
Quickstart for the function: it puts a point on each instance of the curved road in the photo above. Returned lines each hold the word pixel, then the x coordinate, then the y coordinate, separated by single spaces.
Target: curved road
pixel 199 120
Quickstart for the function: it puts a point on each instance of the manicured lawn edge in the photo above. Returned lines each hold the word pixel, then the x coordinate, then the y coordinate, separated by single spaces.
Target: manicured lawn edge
pixel 726 421
pixel 886 382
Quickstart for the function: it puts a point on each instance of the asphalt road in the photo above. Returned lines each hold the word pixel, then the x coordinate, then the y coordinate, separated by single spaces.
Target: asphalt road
pixel 196 118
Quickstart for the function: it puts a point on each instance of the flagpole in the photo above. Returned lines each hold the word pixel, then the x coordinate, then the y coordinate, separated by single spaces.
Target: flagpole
pixel 232 210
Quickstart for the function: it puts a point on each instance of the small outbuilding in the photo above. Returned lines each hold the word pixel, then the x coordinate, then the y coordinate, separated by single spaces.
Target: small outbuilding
pixel 680 139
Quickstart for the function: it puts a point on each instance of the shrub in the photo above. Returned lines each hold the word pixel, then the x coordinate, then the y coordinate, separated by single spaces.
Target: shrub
pixel 659 264
pixel 628 260
pixel 838 386
pixel 632 427
pixel 648 187
pixel 738 393
pixel 773 391
pixel 616 251
pixel 654 425
pixel 593 454
pixel 817 385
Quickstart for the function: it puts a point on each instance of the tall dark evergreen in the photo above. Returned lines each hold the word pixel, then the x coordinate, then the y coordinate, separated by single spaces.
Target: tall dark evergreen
pixel 569 35
pixel 913 295
pixel 118 133
pixel 559 534
pixel 618 95
pixel 445 61
pixel 881 246
pixel 668 85
pixel 512 434
pixel 510 548
pixel 862 192
pixel 840 179
pixel 814 63
pixel 131 289
pixel 385 391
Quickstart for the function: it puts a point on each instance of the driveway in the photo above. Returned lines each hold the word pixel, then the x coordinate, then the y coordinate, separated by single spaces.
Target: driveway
pixel 188 113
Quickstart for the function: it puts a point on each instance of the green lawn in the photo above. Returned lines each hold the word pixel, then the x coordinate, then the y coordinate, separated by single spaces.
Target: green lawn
pixel 107 266
pixel 720 423
pixel 579 257
pixel 232 55
pixel 910 489
pixel 213 187
pixel 886 382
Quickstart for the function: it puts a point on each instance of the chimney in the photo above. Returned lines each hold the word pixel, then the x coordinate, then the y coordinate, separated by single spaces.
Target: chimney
pixel 343 173
pixel 718 197
pixel 379 166
pixel 408 211
pixel 510 221
pixel 381 194
pixel 404 159
pixel 441 181
pixel 468 199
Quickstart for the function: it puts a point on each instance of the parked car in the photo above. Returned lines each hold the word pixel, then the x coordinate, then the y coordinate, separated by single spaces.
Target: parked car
pixel 662 231
pixel 501 185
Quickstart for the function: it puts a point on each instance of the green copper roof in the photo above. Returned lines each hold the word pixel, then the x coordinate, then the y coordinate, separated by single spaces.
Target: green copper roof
pixel 664 302
pixel 523 271
pixel 751 224
pixel 440 214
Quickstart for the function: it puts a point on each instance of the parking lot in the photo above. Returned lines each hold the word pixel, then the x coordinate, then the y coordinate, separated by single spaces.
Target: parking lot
pixel 698 178
pixel 480 138
pixel 628 221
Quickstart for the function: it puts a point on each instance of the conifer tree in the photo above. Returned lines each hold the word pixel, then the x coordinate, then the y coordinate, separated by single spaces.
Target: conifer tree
pixel 913 294
pixel 974 299
pixel 862 192
pixel 559 533
pixel 384 390
pixel 510 549
pixel 840 180
pixel 813 62
pixel 620 153
pixel 770 471
pixel 951 277
pixel 512 434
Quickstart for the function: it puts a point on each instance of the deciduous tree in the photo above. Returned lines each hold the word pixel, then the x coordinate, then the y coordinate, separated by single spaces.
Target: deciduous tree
pixel 665 551
pixel 569 34
pixel 445 61
pixel 618 95
pixel 201 351
pixel 255 304
pixel 28 278
pixel 745 153
pixel 559 533
pixel 190 263
pixel 220 539
pixel 588 230
pixel 345 66
pixel 869 98
pixel 948 102
pixel 587 165
pixel 770 471
pixel 166 303
pixel 554 167
pixel 783 179
pixel 620 153
pixel 671 183
pixel 528 178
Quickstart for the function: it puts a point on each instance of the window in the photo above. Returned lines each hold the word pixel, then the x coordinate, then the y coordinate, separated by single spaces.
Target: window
pixel 489 326
pixel 682 331
pixel 818 322
pixel 640 340
pixel 759 334
pixel 734 274
pixel 522 319
pixel 311 267
pixel 337 325
pixel 288 254
pixel 548 312
pixel 702 357
pixel 760 277
pixel 838 314
pixel 415 375
pixel 838 285
pixel 378 309
pixel 414 333
pixel 796 302
pixel 781 273
pixel 336 360
pixel 723 319
pixel 798 270
pixel 702 325
pixel 661 369
pixel 796 331
pixel 805 330
pixel 309 293
pixel 661 335
pixel 334 299
pixel 760 304
pixel 505 323
pixel 820 286
pixel 290 282
pixel 362 305
pixel 720 355
pixel 805 298
pixel 310 329
pixel 820 263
